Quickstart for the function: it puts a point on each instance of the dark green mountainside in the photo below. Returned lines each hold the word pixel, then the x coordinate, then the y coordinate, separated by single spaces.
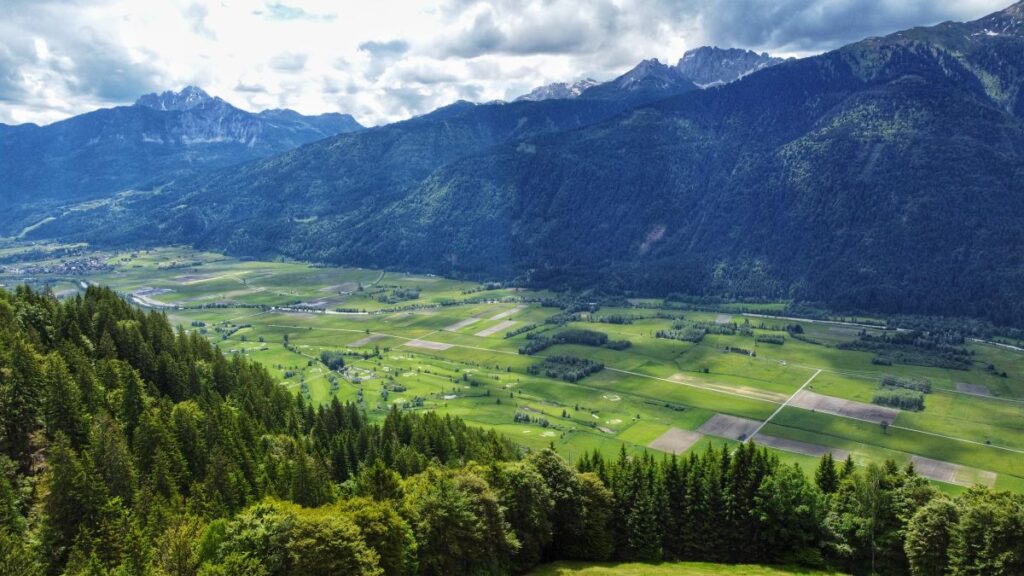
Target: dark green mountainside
pixel 886 175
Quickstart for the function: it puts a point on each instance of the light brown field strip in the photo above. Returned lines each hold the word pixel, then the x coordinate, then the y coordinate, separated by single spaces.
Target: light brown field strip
pixel 846 408
pixel 368 340
pixel 439 346
pixel 975 389
pixel 797 447
pixel 428 345
pixel 496 328
pixel 675 440
pixel 461 324
pixel 723 318
pixel 508 313
pixel 731 427
pixel 748 391
pixel 952 473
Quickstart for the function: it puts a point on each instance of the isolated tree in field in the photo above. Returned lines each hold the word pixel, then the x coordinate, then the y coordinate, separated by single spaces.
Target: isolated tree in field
pixel 928 538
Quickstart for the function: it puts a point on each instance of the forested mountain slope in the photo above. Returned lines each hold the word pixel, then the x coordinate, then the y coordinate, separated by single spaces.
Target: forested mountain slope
pixel 885 175
pixel 336 181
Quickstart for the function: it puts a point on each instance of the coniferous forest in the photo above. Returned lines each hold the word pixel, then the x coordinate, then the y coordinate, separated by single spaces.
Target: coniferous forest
pixel 130 447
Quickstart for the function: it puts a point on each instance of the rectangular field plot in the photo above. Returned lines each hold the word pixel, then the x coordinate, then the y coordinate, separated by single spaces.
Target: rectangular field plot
pixel 428 345
pixel 748 391
pixel 723 319
pixel 976 389
pixel 952 473
pixel 797 447
pixel 731 427
pixel 508 313
pixel 496 328
pixel 675 441
pixel 461 324
pixel 367 340
pixel 847 408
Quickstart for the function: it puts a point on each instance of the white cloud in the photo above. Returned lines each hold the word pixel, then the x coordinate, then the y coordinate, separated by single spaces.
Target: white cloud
pixel 388 59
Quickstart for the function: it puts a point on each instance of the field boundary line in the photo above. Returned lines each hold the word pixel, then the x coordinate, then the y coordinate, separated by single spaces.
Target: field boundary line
pixel 906 429
pixel 691 385
pixel 784 404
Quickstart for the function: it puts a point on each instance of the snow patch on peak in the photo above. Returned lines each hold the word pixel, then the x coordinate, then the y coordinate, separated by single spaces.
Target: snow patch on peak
pixel 188 98
pixel 558 90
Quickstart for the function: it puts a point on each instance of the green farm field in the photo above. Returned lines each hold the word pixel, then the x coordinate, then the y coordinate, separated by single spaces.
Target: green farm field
pixel 421 342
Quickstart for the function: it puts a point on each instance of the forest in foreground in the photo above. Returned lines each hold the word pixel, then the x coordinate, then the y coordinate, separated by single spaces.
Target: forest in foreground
pixel 129 447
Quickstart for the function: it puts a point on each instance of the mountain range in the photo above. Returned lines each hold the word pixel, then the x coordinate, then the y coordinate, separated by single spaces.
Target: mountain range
pixel 886 175
pixel 702 67
pixel 160 138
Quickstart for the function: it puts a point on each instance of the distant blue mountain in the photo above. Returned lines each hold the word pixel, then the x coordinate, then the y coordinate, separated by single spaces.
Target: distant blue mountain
pixel 162 137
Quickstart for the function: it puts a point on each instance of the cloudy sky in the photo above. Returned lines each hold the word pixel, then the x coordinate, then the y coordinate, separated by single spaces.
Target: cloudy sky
pixel 384 60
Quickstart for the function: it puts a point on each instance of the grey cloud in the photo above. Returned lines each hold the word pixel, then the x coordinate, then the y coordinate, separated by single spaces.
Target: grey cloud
pixel 106 71
pixel 425 75
pixel 799 25
pixel 290 62
pixel 251 88
pixel 11 89
pixel 391 48
pixel 482 37
pixel 539 27
pixel 516 27
pixel 196 15
pixel 83 64
pixel 280 11
pixel 383 55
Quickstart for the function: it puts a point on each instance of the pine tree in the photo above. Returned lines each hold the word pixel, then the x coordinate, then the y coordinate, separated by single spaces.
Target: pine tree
pixel 62 406
pixel 20 395
pixel 826 476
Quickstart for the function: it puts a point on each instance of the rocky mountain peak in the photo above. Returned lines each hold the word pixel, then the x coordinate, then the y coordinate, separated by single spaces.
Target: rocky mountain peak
pixel 188 98
pixel 711 65
pixel 558 90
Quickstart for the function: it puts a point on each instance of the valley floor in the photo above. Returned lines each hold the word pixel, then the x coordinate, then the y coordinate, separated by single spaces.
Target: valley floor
pixel 429 343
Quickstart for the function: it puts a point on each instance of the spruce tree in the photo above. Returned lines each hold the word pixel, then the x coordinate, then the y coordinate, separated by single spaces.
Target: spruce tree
pixel 826 476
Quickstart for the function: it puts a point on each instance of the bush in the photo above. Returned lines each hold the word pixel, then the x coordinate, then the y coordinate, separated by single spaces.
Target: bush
pixel 333 359
pixel 918 384
pixel 568 368
pixel 899 398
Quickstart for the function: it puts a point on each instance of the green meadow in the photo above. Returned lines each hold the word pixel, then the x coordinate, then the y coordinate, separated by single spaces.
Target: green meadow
pixel 421 342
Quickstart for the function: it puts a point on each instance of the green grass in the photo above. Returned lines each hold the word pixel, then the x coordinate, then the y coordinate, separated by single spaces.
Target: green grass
pixel 652 386
pixel 666 569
